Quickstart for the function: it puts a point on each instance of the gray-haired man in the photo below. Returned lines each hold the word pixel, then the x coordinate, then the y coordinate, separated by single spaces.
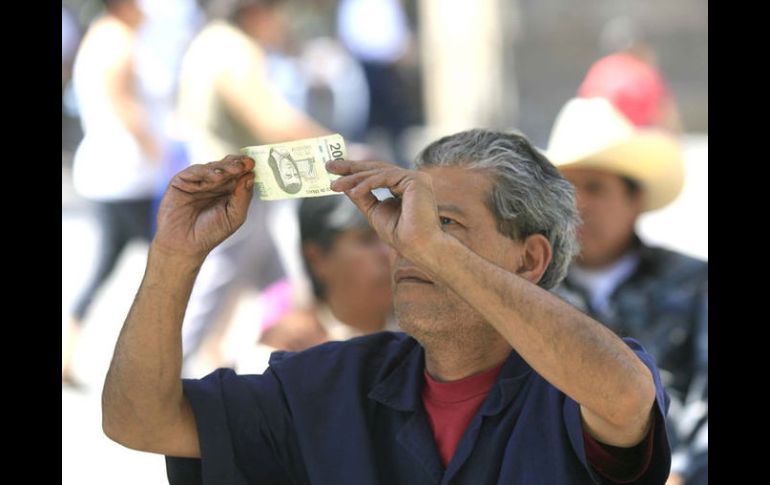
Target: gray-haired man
pixel 495 381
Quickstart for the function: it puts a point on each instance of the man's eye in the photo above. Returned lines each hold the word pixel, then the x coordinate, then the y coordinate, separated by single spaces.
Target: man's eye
pixel 594 188
pixel 445 220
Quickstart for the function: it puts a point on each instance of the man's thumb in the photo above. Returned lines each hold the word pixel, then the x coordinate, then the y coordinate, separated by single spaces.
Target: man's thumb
pixel 244 191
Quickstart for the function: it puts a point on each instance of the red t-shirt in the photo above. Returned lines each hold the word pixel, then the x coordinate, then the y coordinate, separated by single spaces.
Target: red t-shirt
pixel 451 406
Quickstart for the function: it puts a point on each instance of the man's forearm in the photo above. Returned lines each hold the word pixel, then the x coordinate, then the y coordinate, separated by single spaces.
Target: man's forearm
pixel 578 355
pixel 143 390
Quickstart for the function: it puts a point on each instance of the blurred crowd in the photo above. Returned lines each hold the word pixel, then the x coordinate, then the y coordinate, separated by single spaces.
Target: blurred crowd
pixel 150 87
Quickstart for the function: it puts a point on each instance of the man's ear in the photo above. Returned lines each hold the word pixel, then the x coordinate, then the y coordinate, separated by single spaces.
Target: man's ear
pixel 638 200
pixel 315 258
pixel 535 256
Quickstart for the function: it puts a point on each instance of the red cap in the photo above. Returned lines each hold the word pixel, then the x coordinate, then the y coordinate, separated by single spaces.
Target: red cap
pixel 634 87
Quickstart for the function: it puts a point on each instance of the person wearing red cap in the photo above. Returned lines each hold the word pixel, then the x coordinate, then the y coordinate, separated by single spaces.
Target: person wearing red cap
pixel 635 87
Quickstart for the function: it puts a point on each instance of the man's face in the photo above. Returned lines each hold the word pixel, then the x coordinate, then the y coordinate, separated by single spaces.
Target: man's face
pixel 356 266
pixel 266 24
pixel 609 213
pixel 427 309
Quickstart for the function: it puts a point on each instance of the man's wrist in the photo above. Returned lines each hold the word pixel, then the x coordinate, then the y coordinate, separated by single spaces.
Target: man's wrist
pixel 435 254
pixel 161 257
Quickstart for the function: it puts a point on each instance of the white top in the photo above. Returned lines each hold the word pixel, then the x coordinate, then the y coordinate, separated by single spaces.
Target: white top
pixel 108 163
pixel 600 284
pixel 374 30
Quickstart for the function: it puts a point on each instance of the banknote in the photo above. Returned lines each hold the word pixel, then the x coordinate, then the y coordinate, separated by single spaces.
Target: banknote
pixel 296 169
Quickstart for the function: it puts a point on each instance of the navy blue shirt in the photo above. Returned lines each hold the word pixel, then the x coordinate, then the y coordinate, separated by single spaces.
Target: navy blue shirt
pixel 351 413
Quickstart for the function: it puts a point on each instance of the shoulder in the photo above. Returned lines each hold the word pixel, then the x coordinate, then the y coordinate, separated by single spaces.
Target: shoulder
pixel 674 260
pixel 222 48
pixel 110 30
pixel 222 35
pixel 674 266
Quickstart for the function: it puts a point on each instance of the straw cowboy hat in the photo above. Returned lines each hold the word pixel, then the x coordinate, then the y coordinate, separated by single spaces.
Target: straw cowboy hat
pixel 591 133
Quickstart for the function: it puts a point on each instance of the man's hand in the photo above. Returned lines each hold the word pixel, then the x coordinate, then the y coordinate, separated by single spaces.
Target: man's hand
pixel 204 205
pixel 143 404
pixel 409 222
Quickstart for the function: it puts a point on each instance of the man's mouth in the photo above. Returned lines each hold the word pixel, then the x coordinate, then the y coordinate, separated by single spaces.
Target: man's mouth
pixel 408 275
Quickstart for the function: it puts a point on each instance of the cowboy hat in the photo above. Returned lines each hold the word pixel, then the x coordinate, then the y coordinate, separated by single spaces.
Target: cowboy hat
pixel 591 133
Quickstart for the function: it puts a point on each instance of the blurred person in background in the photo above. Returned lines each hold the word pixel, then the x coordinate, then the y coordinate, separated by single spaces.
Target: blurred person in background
pixel 70 40
pixel 227 101
pixel 71 132
pixel 378 35
pixel 652 294
pixel 630 78
pixel 117 163
pixel 348 267
pixel 168 28
pixel 336 90
pixel 632 83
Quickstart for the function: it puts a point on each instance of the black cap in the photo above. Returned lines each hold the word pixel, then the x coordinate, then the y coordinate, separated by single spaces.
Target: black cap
pixel 320 218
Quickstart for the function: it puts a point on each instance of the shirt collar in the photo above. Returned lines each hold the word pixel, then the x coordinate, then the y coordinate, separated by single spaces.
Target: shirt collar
pixel 401 389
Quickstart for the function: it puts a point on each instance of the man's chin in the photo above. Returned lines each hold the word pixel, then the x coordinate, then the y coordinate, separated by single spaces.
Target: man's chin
pixel 418 319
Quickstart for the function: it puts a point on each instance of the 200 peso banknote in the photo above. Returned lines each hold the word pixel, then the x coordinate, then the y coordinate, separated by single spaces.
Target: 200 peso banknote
pixel 296 169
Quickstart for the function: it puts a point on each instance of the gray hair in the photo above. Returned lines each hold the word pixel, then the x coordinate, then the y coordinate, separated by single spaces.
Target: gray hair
pixel 529 196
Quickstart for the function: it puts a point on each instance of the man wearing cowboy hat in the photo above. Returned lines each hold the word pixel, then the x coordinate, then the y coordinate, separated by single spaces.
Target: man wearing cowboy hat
pixel 652 294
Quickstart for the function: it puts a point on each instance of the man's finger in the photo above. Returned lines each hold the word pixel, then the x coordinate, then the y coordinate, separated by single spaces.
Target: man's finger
pixel 365 201
pixel 394 179
pixel 235 164
pixel 207 188
pixel 347 167
pixel 347 182
pixel 214 175
pixel 231 165
pixel 241 196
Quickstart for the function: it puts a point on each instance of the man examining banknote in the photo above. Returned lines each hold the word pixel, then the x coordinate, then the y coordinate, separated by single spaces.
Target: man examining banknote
pixel 495 380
